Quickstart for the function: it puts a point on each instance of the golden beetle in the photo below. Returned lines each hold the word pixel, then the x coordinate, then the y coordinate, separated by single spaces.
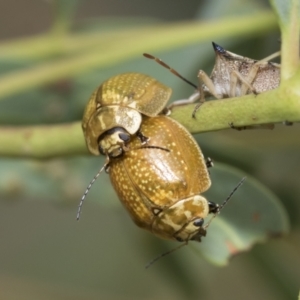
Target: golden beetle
pixel 113 113
pixel 161 189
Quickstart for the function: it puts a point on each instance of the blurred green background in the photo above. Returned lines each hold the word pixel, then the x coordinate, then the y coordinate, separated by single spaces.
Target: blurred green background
pixel 45 253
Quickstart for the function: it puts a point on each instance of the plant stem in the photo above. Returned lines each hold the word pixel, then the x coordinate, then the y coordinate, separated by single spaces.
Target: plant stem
pixel 275 106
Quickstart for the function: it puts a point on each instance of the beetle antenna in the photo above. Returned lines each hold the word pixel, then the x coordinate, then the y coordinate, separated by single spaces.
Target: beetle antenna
pixel 158 60
pixel 225 202
pixel 88 189
pixel 151 147
pixel 150 263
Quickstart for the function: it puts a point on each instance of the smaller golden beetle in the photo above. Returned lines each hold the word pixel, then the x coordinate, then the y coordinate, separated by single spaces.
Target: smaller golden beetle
pixel 113 113
pixel 161 189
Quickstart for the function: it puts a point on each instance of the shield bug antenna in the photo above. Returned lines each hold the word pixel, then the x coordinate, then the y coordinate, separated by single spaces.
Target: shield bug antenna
pixel 199 94
pixel 217 211
pixel 173 71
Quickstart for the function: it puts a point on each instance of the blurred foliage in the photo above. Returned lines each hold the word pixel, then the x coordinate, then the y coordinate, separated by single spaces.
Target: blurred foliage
pixel 47 79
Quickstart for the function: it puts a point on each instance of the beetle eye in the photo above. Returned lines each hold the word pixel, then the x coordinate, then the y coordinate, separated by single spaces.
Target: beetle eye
pixel 199 222
pixel 124 136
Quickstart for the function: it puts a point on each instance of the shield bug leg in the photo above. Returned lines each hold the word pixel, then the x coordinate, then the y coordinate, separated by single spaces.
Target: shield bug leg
pixel 192 99
pixel 208 84
pixel 245 83
pixel 201 101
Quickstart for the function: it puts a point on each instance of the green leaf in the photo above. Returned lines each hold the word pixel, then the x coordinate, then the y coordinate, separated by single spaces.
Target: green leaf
pixel 60 181
pixel 253 215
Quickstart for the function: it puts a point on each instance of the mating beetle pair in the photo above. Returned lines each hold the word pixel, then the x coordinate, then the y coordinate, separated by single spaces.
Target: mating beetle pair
pixel 155 165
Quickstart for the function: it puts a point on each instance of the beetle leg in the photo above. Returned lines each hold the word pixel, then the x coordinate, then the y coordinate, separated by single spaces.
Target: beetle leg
pixel 209 162
pixel 144 140
pixel 214 208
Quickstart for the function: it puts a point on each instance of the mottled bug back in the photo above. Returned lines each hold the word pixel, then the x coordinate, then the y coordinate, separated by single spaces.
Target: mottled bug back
pixel 148 180
pixel 266 78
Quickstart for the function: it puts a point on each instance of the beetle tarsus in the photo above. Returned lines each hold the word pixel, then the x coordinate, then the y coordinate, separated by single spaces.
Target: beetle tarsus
pixel 209 162
pixel 144 140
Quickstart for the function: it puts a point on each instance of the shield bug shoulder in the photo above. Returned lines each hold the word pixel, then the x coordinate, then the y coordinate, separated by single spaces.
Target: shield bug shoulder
pixel 161 189
pixel 114 111
pixel 234 75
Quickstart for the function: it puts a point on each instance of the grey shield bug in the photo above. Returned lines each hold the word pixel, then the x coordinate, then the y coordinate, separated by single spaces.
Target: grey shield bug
pixel 232 76
pixel 114 111
pixel 161 189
